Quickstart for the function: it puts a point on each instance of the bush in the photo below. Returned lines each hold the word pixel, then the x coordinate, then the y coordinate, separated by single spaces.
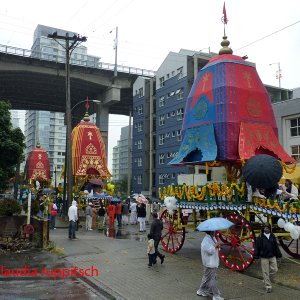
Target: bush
pixel 35 206
pixel 9 207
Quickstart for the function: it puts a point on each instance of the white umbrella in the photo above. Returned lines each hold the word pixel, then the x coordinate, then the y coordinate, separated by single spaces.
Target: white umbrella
pixel 214 224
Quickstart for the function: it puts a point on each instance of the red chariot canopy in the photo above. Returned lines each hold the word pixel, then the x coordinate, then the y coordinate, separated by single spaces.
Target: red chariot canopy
pixel 37 165
pixel 88 151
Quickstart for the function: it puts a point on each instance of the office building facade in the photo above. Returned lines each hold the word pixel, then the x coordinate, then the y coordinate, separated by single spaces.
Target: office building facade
pixel 120 157
pixel 47 127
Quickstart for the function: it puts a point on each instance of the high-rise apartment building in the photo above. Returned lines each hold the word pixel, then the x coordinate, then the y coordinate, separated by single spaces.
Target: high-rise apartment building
pixel 47 127
pixel 120 156
pixel 157 120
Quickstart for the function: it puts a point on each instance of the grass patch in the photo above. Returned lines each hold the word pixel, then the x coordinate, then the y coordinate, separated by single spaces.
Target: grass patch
pixel 55 250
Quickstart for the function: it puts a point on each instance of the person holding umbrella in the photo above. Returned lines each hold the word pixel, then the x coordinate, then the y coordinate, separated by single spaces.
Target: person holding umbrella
pixel 210 261
pixel 210 257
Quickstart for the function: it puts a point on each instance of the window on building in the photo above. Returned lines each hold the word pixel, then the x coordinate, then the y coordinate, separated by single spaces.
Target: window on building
pixel 168 115
pixel 161 139
pixel 172 113
pixel 162 81
pixel 161 179
pixel 296 152
pixel 139 161
pixel 161 159
pixel 179 114
pixel 170 94
pixel 141 92
pixel 139 179
pixel 140 144
pixel 179 138
pixel 140 126
pixel 179 94
pixel 140 109
pixel 162 101
pixel 161 120
pixel 173 133
pixel 295 127
pixel 180 72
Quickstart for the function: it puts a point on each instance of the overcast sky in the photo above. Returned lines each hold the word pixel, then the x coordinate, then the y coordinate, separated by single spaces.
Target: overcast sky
pixel 149 30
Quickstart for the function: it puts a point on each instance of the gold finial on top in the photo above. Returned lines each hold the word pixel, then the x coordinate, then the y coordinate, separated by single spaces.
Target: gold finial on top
pixel 225 49
pixel 86 117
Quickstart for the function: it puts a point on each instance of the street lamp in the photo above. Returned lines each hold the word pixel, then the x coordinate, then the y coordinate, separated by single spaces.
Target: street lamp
pixel 278 72
pixel 66 153
pixel 116 49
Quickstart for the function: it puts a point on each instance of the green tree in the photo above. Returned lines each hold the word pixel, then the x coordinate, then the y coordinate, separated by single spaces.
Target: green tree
pixel 11 146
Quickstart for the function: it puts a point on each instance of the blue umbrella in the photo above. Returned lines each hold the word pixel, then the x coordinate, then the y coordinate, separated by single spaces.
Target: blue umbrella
pixel 214 224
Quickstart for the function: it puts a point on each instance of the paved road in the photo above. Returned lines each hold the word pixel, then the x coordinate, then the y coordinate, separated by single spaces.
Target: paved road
pixel 123 271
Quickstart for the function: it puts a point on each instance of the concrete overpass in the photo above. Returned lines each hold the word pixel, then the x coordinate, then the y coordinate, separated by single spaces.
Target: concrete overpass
pixel 34 84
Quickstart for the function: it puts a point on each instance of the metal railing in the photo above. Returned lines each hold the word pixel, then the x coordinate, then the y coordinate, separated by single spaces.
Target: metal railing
pixel 94 63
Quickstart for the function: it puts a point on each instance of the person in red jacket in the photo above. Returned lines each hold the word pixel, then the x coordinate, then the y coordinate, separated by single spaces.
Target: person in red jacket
pixel 111 210
pixel 53 213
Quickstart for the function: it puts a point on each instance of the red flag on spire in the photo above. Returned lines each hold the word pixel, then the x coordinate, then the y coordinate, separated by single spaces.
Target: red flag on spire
pixel 224 19
pixel 87 103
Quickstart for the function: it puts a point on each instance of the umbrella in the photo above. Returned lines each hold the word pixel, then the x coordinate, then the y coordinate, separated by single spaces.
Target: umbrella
pixel 96 181
pixel 262 171
pixel 47 190
pixel 140 198
pixel 115 200
pixel 214 224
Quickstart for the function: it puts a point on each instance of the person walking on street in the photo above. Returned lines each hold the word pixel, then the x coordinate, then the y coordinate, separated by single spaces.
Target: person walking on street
pixel 73 217
pixel 125 212
pixel 266 248
pixel 141 216
pixel 119 213
pixel 53 213
pixel 210 261
pixel 155 230
pixel 133 218
pixel 88 217
pixel 151 251
pixel 111 211
pixel 101 217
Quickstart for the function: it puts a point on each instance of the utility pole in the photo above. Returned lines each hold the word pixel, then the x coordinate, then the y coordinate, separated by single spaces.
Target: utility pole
pixel 129 158
pixel 75 41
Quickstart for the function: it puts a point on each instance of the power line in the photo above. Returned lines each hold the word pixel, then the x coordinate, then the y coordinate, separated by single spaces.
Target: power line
pixel 262 38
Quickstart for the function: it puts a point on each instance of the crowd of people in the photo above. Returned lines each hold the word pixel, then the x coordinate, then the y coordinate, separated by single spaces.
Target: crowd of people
pixel 122 213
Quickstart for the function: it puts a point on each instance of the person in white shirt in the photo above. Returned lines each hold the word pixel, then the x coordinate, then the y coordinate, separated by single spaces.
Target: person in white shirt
pixel 73 217
pixel 210 261
pixel 133 215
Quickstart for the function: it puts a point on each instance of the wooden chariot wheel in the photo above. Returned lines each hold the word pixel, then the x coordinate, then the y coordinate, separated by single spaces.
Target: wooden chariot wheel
pixel 173 234
pixel 291 247
pixel 237 244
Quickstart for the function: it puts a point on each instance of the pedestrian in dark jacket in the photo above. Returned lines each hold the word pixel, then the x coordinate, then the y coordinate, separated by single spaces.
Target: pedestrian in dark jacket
pixel 155 230
pixel 266 248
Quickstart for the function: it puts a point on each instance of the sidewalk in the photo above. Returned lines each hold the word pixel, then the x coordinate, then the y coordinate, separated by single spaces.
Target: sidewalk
pixel 123 271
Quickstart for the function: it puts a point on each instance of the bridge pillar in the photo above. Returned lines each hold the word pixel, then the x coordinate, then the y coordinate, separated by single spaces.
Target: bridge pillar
pixel 102 117
pixel 110 96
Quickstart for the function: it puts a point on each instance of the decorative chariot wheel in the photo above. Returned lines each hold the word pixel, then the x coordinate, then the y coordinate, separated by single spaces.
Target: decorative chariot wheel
pixel 291 247
pixel 173 234
pixel 237 244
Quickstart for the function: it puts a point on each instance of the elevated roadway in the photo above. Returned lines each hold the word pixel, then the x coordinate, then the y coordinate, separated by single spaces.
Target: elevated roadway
pixel 31 83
